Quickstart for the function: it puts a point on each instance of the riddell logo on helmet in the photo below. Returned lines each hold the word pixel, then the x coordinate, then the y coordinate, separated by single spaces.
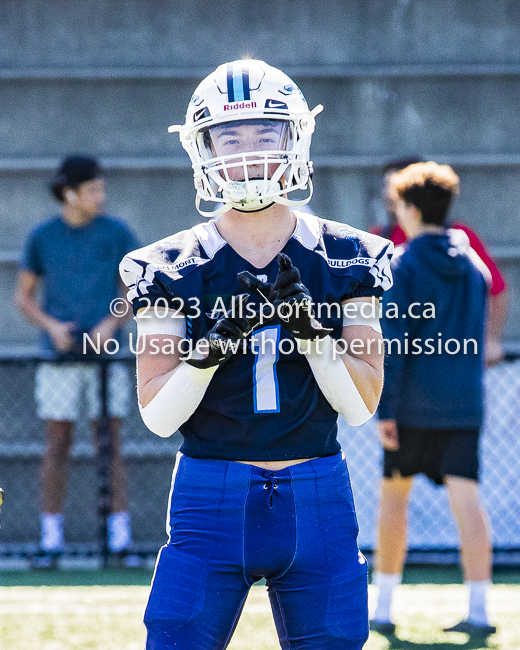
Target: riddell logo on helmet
pixel 237 106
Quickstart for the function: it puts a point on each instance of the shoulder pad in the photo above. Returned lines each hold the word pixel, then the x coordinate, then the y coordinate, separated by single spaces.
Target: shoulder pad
pixel 151 272
pixel 347 251
pixel 178 255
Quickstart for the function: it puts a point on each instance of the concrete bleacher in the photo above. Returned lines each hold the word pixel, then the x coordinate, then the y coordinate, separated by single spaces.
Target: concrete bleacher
pixel 414 76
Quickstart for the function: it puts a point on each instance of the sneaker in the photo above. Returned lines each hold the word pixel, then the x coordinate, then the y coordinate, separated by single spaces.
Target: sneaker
pixel 124 560
pixel 132 561
pixel 51 540
pixel 119 532
pixel 46 560
pixel 472 629
pixel 383 627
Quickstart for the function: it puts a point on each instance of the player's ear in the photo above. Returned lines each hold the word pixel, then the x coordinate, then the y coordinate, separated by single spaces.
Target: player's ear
pixel 416 212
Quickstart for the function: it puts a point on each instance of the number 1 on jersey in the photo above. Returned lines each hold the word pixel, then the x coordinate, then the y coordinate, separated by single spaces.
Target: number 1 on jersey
pixel 265 345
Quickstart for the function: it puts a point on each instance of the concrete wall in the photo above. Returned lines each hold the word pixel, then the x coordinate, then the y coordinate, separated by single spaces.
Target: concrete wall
pixel 432 77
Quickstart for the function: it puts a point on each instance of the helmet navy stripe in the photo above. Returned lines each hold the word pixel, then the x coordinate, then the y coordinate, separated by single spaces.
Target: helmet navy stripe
pixel 230 85
pixel 245 81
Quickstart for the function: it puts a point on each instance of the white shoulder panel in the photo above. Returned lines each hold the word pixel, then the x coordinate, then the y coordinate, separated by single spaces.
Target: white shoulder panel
pixel 307 230
pixel 209 238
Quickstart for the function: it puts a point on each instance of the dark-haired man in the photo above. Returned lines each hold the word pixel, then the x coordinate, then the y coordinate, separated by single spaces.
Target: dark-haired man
pixel 74 258
pixel 431 407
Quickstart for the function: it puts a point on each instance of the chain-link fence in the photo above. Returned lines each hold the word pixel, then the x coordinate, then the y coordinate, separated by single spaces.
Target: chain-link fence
pixel 73 391
pixel 149 462
pixel 431 526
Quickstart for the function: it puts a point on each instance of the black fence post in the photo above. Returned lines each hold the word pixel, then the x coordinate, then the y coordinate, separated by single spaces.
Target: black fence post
pixel 104 462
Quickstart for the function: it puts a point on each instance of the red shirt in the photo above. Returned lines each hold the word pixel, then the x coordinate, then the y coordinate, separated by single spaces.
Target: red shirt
pixel 498 283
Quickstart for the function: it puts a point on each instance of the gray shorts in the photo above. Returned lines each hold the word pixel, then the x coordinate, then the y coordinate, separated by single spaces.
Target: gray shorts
pixel 62 388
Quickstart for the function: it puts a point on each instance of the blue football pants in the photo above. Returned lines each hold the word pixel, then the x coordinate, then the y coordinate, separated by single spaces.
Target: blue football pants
pixel 233 524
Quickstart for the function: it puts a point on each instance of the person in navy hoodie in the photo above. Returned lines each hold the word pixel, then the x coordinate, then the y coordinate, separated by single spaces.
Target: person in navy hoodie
pixel 430 412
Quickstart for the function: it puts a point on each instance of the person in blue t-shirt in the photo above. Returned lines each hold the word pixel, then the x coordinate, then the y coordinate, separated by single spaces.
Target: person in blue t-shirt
pixel 260 488
pixel 430 412
pixel 73 259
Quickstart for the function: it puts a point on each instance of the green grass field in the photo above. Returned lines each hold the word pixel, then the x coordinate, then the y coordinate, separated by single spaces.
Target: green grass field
pixel 80 610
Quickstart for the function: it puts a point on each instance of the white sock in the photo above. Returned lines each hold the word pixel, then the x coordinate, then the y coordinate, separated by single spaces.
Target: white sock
pixel 477 601
pixel 385 583
pixel 119 531
pixel 51 531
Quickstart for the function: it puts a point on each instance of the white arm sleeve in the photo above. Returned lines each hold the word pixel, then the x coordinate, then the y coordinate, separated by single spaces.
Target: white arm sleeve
pixel 177 400
pixel 334 380
pixel 360 315
pixel 161 322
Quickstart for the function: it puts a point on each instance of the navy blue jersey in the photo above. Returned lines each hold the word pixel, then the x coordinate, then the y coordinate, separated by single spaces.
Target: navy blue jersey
pixel 264 403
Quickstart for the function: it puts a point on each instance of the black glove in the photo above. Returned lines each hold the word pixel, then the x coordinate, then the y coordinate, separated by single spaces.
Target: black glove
pixel 224 335
pixel 263 290
pixel 291 299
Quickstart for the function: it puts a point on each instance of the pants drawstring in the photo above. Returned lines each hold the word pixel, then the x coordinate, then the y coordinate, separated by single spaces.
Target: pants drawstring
pixel 270 484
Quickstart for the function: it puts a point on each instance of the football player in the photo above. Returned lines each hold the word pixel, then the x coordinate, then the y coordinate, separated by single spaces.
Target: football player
pixel 260 488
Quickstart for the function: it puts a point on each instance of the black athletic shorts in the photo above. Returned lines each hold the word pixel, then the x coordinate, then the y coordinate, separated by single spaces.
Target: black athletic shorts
pixel 437 453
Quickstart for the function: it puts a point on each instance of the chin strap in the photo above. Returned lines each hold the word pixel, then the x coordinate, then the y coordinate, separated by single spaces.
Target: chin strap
pixel 294 203
pixel 226 206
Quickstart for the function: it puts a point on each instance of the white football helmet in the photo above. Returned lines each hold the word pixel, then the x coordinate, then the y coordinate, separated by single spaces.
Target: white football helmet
pixel 248 133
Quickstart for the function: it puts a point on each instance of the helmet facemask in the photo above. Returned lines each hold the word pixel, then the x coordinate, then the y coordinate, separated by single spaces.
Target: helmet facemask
pixel 246 162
